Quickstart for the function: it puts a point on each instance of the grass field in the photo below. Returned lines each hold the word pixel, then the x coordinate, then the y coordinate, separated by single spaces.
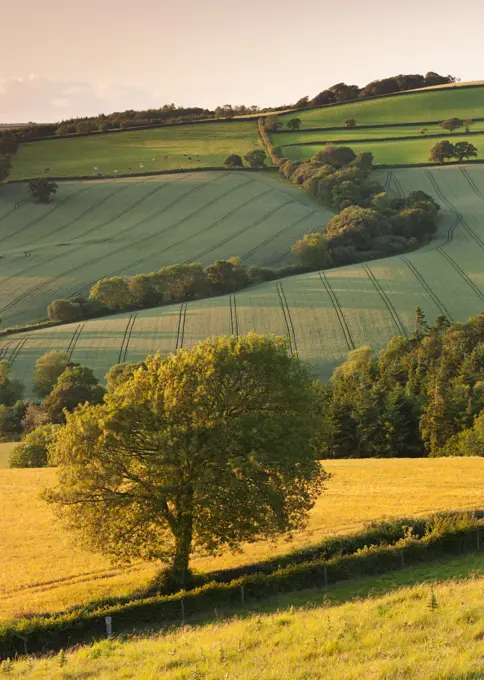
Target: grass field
pixel 430 104
pixel 399 152
pixel 323 316
pixel 375 628
pixel 372 134
pixel 96 229
pixel 166 148
pixel 41 569
pixel 5 449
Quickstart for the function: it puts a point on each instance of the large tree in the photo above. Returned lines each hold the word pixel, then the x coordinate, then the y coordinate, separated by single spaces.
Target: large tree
pixel 205 449
pixel 47 370
pixel 76 385
pixel 255 158
pixel 42 189
pixel 452 124
pixel 464 150
pixel 442 151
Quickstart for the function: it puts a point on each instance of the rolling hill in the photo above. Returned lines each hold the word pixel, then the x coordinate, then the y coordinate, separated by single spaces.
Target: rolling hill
pixel 323 314
pixel 97 229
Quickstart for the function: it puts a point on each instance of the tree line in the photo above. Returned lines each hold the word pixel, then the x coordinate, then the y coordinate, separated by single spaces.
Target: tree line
pixel 341 92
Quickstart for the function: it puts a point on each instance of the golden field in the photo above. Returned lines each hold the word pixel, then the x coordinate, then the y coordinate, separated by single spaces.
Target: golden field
pixel 41 569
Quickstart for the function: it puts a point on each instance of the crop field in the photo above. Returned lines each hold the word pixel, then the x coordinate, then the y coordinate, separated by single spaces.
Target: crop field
pixel 375 628
pixel 165 148
pixel 323 315
pixel 96 229
pixel 420 106
pixel 5 448
pixel 397 152
pixel 42 569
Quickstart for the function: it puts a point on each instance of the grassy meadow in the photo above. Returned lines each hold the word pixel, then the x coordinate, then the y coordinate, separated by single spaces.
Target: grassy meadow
pixel 374 628
pixel 427 105
pixel 398 152
pixel 323 317
pixel 42 569
pixel 98 229
pixel 165 148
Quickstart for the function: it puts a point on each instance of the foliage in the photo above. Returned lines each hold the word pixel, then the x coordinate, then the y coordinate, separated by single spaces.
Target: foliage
pixel 42 189
pixel 120 373
pixel 11 420
pixel 233 161
pixel 172 458
pixel 452 124
pixel 444 150
pixel 32 452
pixel 294 124
pixel 312 252
pixel 76 385
pixel 336 156
pixel 350 123
pixel 47 370
pixel 464 150
pixel 421 396
pixel 10 390
pixel 5 166
pixel 255 158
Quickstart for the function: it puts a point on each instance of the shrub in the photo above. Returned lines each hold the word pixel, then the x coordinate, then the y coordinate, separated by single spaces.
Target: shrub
pixel 33 451
pixel 233 161
pixel 256 158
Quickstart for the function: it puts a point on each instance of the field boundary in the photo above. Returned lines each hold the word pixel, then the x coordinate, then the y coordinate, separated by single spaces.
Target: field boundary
pixel 368 140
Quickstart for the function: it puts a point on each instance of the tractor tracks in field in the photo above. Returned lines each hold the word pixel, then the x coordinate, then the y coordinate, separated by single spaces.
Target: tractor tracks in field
pixel 244 229
pixel 40 286
pixel 249 253
pixel 180 333
pixel 290 331
pixel 388 303
pixel 338 310
pixel 74 340
pixel 123 351
pixel 426 287
pixel 234 322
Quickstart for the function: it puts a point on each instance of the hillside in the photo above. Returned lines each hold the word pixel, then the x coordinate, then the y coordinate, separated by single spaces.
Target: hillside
pixel 422 105
pixel 43 569
pixel 164 148
pixel 97 229
pixel 323 315
pixel 377 628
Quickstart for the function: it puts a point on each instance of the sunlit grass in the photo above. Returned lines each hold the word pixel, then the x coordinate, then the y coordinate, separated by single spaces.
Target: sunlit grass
pixel 373 629
pixel 42 569
pixel 5 449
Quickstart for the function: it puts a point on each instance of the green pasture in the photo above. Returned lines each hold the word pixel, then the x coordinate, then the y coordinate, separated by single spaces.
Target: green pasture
pixel 420 106
pixel 96 229
pixel 323 316
pixel 166 148
pixel 405 151
pixel 371 134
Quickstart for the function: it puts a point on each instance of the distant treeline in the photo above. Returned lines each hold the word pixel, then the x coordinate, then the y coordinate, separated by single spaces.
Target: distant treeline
pixel 341 92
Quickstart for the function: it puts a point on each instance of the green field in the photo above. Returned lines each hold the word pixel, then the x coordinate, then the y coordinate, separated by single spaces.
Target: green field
pixel 323 316
pixel 428 105
pixel 377 628
pixel 95 229
pixel 400 152
pixel 166 148
pixel 371 134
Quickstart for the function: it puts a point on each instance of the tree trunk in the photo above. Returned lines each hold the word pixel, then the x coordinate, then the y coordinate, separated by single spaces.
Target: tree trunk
pixel 183 549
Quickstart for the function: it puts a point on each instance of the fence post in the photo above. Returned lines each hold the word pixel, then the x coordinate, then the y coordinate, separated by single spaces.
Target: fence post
pixel 402 559
pixel 325 576
pixel 109 626
pixel 242 595
pixel 478 540
pixel 182 610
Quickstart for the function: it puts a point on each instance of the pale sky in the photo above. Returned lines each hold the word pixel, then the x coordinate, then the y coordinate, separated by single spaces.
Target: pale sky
pixel 60 58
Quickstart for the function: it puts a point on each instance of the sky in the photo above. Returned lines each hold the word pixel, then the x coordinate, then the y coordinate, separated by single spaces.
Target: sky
pixel 60 59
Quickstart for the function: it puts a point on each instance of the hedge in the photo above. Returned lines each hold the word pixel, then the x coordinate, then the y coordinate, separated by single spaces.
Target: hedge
pixel 385 139
pixel 456 535
pixel 374 126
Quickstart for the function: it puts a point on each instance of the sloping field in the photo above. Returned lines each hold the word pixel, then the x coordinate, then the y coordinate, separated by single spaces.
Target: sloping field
pixel 372 134
pixel 323 315
pixel 397 152
pixel 427 105
pixel 42 568
pixel 5 449
pixel 97 229
pixel 375 628
pixel 166 148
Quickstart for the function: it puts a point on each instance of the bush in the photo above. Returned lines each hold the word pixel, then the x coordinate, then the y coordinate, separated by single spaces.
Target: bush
pixel 233 161
pixel 65 311
pixel 33 452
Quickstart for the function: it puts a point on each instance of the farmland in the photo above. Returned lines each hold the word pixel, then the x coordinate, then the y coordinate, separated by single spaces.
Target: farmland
pixel 166 148
pixel 98 229
pixel 42 568
pixel 5 449
pixel 378 627
pixel 395 152
pixel 323 315
pixel 428 105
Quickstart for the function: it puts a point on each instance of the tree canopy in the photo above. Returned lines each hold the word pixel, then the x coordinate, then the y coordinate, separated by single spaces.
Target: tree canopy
pixel 205 449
